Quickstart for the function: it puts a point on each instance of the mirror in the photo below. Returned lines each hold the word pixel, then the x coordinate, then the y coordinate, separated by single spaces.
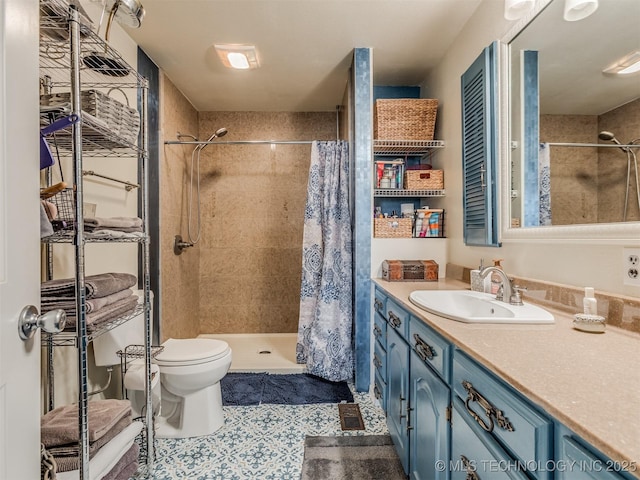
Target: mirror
pixel 559 96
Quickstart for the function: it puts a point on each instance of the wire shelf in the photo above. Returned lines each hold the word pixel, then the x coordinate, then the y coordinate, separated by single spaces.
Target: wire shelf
pixel 403 147
pixel 69 237
pixel 397 192
pixel 132 352
pixel 67 338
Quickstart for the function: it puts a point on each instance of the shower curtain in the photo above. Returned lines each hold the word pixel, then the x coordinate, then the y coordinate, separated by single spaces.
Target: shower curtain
pixel 325 322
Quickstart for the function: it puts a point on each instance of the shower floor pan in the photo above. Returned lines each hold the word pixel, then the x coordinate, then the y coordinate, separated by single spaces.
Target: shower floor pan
pixel 262 352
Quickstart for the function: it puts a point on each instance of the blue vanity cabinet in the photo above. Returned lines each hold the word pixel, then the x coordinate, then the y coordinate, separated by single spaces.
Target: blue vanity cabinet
pixel 429 432
pixel 503 417
pixel 398 394
pixel 380 348
pixel 576 460
pixel 397 318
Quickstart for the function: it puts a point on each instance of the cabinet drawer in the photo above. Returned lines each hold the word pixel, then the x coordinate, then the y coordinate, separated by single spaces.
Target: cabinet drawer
pixel 502 413
pixel 582 464
pixel 397 318
pixel 379 302
pixel 380 330
pixel 430 347
pixel 380 390
pixel 380 361
pixel 475 454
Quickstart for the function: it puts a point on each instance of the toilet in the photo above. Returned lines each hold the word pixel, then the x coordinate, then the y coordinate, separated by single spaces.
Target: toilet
pixel 188 400
pixel 190 374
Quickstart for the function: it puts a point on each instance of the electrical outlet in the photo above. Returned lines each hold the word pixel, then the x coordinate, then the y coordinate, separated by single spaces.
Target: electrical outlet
pixel 631 266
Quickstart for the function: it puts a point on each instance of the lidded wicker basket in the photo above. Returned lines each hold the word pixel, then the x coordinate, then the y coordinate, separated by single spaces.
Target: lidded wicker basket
pixel 405 118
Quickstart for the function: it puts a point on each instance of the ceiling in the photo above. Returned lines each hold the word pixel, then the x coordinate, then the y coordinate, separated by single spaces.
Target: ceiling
pixel 304 46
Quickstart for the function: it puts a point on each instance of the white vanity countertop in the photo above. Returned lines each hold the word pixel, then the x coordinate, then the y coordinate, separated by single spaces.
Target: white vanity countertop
pixel 590 382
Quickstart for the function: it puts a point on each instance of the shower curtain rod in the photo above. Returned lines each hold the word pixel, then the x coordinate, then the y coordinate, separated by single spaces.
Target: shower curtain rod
pixel 612 145
pixel 241 142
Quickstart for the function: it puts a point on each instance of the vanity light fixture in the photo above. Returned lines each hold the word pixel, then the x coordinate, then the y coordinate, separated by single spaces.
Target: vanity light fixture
pixel 625 66
pixel 575 10
pixel 516 9
pixel 240 57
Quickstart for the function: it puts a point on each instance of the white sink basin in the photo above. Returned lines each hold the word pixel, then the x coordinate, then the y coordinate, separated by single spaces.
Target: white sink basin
pixel 477 307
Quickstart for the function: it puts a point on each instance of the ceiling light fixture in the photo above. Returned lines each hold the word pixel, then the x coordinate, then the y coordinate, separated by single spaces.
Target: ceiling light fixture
pixel 240 57
pixel 516 9
pixel 625 66
pixel 578 9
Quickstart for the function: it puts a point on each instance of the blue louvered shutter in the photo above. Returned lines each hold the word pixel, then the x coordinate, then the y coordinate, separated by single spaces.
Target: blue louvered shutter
pixel 479 149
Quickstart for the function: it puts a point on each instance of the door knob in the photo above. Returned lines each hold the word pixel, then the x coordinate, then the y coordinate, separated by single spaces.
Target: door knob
pixel 29 321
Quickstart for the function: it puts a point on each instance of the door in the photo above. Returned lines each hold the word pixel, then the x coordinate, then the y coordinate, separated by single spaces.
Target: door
pixel 429 435
pixel 19 239
pixel 398 396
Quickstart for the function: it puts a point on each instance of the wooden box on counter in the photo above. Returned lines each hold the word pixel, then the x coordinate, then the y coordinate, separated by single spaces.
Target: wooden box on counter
pixel 410 270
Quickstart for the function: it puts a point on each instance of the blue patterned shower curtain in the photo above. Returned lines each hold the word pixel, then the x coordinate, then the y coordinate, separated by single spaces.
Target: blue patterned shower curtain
pixel 325 324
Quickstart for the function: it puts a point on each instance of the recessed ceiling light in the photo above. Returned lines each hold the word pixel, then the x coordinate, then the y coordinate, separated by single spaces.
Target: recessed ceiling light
pixel 241 57
pixel 626 65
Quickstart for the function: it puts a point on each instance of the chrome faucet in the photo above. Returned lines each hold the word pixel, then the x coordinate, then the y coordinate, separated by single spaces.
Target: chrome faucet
pixel 507 293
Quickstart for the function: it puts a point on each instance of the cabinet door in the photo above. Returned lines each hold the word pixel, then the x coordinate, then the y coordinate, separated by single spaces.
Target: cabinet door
pixel 576 462
pixel 474 454
pixel 398 394
pixel 429 434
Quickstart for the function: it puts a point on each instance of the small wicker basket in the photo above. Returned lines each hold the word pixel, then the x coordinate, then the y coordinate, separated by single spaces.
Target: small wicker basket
pixel 405 119
pixel 392 227
pixel 424 179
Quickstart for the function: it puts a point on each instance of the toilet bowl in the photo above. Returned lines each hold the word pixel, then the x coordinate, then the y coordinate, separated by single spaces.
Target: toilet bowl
pixel 190 374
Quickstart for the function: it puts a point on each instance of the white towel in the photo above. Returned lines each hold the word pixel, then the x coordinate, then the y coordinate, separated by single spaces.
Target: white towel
pixel 544 183
pixel 134 379
pixel 108 456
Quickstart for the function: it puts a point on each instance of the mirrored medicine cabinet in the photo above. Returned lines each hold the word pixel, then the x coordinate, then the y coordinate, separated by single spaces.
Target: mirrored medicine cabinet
pixel 555 96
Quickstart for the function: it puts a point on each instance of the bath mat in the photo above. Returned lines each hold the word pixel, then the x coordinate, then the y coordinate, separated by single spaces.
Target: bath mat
pixel 290 389
pixel 350 416
pixel 362 456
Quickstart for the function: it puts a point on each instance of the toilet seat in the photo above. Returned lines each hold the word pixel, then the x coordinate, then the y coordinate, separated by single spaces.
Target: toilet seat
pixel 191 351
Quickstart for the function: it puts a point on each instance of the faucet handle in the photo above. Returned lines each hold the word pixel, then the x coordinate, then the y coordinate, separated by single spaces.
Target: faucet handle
pixel 516 298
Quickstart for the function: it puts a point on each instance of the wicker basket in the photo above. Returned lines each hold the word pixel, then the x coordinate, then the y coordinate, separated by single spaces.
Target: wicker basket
pixel 118 118
pixel 405 119
pixel 424 179
pixel 392 227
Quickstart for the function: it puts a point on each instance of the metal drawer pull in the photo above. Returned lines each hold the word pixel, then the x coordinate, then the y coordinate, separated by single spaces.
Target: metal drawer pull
pixel 376 361
pixel 490 411
pixel 377 305
pixel 394 320
pixel 471 470
pixel 377 331
pixel 423 349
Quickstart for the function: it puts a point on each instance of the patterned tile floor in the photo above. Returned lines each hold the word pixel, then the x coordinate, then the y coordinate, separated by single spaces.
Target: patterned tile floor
pixel 263 442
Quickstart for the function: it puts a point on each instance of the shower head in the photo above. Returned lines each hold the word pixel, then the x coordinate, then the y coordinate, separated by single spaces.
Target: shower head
pixel 221 132
pixel 610 137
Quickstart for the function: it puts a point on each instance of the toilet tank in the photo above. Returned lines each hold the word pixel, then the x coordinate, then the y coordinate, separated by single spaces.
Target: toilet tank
pixel 129 333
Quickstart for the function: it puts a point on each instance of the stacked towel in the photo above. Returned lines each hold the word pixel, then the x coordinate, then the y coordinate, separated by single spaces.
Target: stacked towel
pixel 59 429
pixel 108 296
pixel 118 224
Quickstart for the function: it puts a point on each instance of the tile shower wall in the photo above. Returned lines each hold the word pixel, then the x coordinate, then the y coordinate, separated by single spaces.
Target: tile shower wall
pixel 588 184
pixel 253 201
pixel 179 274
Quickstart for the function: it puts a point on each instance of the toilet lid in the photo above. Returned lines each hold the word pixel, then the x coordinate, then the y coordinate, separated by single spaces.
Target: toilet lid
pixel 194 350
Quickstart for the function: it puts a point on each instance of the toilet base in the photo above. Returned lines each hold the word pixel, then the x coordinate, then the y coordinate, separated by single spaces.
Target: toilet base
pixel 194 415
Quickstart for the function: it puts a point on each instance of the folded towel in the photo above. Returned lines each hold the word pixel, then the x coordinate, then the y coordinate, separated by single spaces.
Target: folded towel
pixel 96 286
pixel 68 304
pixel 122 229
pixel 126 466
pixel 46 228
pixel 60 425
pixel 68 456
pixel 113 223
pixel 107 313
pixel 113 234
pixel 108 456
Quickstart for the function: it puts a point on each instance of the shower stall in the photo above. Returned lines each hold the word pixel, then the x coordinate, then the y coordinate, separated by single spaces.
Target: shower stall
pixel 244 276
